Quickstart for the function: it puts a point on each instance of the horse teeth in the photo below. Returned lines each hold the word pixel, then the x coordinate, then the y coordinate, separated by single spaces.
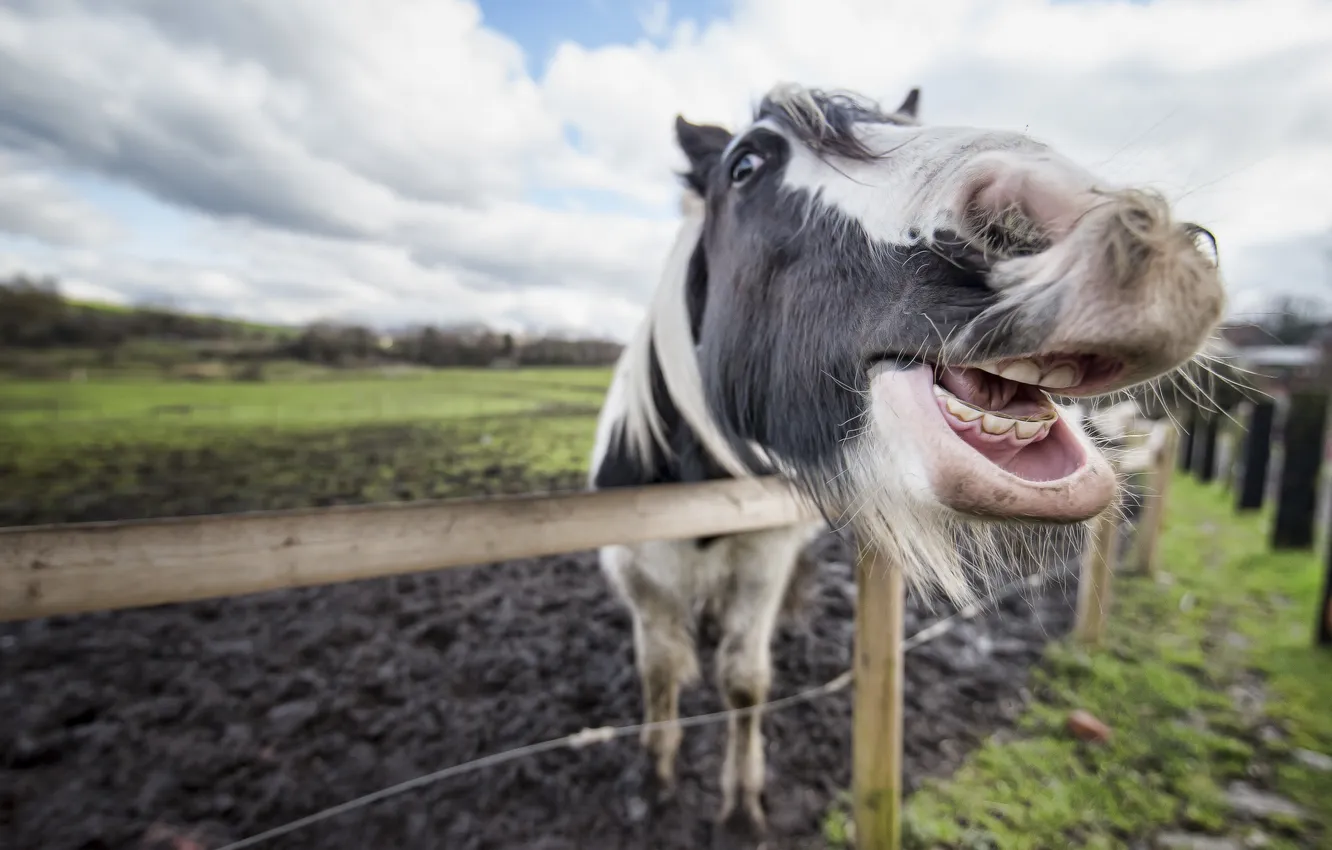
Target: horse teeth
pixel 996 425
pixel 942 392
pixel 1019 371
pixel 1029 372
pixel 963 411
pixel 1050 413
pixel 1022 371
pixel 1059 378
pixel 1027 429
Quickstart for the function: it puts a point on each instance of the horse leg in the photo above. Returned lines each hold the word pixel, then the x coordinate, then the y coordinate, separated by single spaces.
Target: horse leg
pixel 762 567
pixel 666 663
pixel 664 654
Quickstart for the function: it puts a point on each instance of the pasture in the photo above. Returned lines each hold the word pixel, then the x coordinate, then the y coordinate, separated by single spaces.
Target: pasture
pixel 73 412
pixel 136 447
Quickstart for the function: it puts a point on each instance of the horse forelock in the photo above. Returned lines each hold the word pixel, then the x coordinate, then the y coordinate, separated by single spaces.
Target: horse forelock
pixel 826 122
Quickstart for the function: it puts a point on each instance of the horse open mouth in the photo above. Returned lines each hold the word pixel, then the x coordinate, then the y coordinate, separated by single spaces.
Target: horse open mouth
pixel 992 440
pixel 1003 411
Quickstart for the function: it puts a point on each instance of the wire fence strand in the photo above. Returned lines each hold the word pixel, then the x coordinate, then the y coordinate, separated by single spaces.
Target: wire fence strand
pixel 605 734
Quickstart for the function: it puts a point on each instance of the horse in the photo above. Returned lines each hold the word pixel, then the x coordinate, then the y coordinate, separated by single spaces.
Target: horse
pixel 882 313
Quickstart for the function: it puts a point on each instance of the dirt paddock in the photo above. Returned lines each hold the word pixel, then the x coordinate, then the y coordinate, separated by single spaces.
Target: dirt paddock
pixel 212 721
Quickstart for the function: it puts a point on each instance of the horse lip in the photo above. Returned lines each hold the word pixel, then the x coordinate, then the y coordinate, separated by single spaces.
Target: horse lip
pixel 879 361
pixel 973 485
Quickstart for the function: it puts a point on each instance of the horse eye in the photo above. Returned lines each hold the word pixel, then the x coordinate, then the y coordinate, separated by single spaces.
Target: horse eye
pixel 745 167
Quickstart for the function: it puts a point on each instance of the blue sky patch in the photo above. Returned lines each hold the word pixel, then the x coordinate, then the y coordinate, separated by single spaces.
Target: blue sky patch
pixel 539 26
pixel 153 227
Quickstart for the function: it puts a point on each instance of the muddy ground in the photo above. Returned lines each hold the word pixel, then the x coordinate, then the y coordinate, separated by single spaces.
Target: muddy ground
pixel 220 719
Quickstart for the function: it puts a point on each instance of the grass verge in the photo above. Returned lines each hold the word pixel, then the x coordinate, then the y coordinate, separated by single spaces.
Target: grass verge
pixel 1209 677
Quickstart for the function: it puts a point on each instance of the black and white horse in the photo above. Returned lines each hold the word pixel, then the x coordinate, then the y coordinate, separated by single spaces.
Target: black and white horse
pixel 876 310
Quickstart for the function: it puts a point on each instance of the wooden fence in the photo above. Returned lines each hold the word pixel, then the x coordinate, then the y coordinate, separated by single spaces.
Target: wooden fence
pixel 1300 425
pixel 75 568
pixel 70 569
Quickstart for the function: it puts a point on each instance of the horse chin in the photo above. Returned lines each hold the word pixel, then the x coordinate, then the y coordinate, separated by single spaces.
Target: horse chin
pixel 1057 477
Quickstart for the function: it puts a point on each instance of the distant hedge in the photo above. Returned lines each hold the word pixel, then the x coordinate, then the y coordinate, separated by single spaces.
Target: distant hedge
pixel 33 314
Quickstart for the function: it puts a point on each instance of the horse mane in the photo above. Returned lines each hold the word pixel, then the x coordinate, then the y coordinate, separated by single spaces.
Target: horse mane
pixel 665 334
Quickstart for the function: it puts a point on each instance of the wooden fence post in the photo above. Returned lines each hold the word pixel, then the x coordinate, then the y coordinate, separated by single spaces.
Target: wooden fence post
pixel 1098 563
pixel 1191 419
pixel 876 773
pixel 1297 500
pixel 1204 448
pixel 1164 447
pixel 1228 452
pixel 1257 455
pixel 1324 630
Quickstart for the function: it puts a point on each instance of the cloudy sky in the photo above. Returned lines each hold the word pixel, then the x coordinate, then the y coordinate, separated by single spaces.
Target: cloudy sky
pixel 398 161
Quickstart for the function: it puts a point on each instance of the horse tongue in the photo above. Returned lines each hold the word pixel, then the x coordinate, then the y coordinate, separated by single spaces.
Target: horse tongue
pixel 998 450
pixel 979 389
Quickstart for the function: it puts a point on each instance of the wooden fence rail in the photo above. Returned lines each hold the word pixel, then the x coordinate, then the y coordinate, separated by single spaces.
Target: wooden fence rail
pixel 66 569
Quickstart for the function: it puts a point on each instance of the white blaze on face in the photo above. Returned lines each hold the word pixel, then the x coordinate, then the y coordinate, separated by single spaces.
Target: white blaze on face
pixel 887 197
pixel 925 177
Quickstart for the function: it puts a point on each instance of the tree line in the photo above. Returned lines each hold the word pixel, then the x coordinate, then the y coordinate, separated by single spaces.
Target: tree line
pixel 35 315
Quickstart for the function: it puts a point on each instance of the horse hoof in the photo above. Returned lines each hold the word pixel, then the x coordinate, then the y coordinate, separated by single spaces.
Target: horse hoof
pixel 745 821
pixel 660 789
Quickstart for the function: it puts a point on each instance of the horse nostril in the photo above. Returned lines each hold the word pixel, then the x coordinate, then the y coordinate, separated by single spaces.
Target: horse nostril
pixel 1033 201
pixel 1007 232
pixel 999 218
pixel 1014 234
pixel 1205 241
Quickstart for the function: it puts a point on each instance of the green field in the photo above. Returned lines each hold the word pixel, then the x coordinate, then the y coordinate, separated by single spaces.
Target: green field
pixel 135 447
pixel 154 410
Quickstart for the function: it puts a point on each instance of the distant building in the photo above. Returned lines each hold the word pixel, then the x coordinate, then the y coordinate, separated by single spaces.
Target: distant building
pixel 1274 366
pixel 1247 335
pixel 1323 342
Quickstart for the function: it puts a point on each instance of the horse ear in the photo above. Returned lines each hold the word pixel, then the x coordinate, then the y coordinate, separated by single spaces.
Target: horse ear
pixel 909 105
pixel 703 145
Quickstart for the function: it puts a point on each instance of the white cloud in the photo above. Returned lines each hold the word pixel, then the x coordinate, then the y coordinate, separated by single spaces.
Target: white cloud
pixel 656 19
pixel 34 204
pixel 395 162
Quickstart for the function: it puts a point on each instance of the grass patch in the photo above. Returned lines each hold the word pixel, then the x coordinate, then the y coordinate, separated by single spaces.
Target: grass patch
pixel 224 471
pixel 34 414
pixel 130 449
pixel 1209 676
